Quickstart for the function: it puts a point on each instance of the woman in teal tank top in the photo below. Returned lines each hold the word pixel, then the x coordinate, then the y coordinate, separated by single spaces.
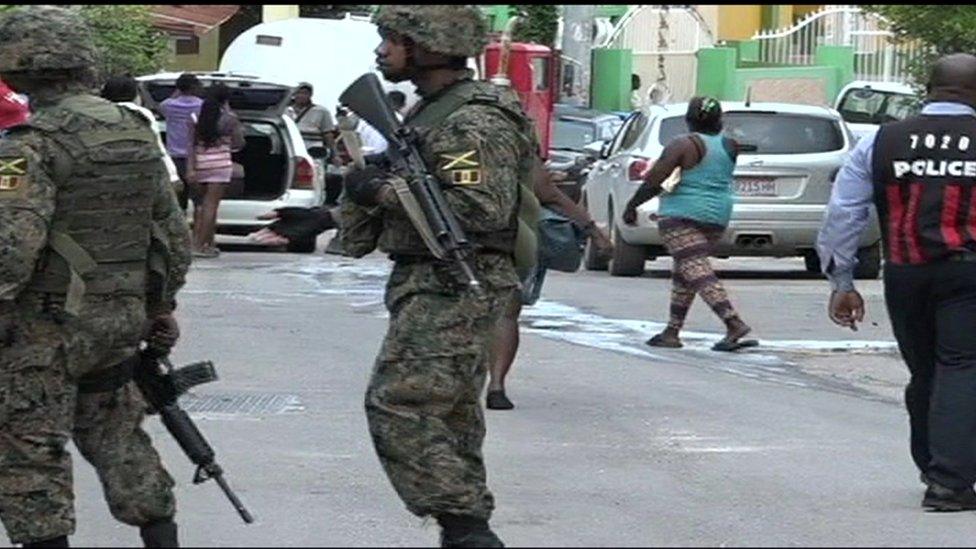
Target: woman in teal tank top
pixel 692 219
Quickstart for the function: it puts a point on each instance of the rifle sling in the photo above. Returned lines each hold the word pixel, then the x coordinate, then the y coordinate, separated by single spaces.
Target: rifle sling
pixel 416 215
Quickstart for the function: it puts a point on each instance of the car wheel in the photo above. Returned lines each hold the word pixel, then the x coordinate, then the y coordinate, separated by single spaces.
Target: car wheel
pixel 303 246
pixel 812 261
pixel 868 263
pixel 593 260
pixel 627 260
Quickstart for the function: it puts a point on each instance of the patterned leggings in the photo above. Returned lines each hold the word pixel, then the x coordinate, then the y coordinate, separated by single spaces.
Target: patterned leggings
pixel 690 244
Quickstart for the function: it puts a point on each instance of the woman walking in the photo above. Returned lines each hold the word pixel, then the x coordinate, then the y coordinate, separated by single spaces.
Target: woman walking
pixel 692 218
pixel 216 133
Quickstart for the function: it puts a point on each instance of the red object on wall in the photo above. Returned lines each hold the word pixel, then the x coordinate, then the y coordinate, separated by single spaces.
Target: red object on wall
pixel 532 71
pixel 13 109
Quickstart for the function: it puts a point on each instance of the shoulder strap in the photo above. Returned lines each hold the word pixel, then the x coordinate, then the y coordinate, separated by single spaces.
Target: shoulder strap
pixel 699 147
pixel 302 115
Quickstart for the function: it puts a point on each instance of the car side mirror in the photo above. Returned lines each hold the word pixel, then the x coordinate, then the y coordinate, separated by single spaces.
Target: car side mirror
pixel 318 152
pixel 597 149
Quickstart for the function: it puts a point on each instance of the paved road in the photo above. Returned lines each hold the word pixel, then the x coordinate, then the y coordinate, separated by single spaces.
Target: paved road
pixel 801 442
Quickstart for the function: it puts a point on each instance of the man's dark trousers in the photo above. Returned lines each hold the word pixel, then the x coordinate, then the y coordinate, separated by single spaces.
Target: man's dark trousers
pixel 933 314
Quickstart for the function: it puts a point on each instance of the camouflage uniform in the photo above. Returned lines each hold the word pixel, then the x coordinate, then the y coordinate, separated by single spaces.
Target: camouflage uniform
pixel 423 400
pixel 84 195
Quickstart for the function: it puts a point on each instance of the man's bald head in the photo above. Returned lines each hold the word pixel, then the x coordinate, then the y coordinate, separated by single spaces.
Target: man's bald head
pixel 953 78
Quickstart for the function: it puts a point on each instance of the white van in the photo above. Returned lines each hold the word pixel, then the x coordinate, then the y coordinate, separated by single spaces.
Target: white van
pixel 866 105
pixel 328 53
pixel 279 171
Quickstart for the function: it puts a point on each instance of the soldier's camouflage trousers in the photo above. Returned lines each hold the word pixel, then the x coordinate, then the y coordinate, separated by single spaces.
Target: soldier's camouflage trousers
pixel 41 407
pixel 422 403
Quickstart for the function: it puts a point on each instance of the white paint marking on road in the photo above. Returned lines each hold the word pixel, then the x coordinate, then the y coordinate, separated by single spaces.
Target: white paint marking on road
pixel 562 322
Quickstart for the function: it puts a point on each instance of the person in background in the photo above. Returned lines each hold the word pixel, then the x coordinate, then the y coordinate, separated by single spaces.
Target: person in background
pixel 209 168
pixel 179 110
pixel 399 101
pixel 372 140
pixel 124 91
pixel 636 101
pixel 314 121
pixel 693 217
pixel 506 337
pixel 14 110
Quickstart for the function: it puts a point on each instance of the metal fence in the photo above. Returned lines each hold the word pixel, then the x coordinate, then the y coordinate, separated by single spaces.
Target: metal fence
pixel 664 41
pixel 876 56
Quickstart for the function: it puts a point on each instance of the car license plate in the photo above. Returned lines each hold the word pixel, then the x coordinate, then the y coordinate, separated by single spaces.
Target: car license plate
pixel 755 186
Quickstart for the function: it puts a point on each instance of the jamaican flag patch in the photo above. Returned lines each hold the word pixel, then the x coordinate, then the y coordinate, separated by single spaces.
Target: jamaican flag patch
pixel 13 175
pixel 462 168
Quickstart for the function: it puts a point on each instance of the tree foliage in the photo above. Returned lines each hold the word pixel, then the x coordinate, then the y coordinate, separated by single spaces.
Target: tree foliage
pixel 943 28
pixel 540 26
pixel 127 41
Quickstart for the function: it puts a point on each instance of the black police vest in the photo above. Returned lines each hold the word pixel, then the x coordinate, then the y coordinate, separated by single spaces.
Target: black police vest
pixel 925 187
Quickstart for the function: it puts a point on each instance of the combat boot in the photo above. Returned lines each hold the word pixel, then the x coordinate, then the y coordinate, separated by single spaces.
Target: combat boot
pixel 940 498
pixel 465 531
pixel 159 534
pixel 60 541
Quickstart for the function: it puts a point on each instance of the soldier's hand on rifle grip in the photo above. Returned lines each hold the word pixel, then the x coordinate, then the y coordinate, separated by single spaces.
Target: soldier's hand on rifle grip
pixel 164 332
pixel 363 186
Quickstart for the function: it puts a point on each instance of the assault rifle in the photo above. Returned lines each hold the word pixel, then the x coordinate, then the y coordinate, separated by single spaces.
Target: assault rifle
pixel 419 192
pixel 162 389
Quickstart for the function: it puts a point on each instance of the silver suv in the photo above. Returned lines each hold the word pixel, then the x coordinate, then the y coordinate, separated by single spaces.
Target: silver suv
pixel 278 169
pixel 782 184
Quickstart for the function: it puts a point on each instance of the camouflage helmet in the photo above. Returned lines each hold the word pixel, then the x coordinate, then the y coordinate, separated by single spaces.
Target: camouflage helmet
pixel 455 30
pixel 44 38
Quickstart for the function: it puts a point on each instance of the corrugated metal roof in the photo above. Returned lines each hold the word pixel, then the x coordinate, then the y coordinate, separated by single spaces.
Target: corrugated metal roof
pixel 191 19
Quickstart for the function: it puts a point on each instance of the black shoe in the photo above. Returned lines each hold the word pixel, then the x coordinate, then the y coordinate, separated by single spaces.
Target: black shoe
pixel 940 498
pixel 496 400
pixel 924 478
pixel 485 538
pixel 60 541
pixel 466 531
pixel 159 534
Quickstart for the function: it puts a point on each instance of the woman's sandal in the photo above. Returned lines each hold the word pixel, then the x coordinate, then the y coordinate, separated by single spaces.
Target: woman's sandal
pixel 660 341
pixel 731 346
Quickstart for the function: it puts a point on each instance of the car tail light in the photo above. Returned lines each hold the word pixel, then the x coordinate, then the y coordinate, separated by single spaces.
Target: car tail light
pixel 304 175
pixel 637 169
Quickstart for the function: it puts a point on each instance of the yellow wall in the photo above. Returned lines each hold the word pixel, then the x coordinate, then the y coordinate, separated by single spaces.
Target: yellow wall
pixel 801 10
pixel 274 12
pixel 206 60
pixel 738 22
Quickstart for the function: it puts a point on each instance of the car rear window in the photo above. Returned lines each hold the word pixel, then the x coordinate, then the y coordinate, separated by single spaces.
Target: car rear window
pixel 770 132
pixel 867 106
pixel 576 134
pixel 249 99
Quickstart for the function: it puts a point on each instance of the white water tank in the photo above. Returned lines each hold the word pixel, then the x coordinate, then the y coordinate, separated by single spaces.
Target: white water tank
pixel 328 53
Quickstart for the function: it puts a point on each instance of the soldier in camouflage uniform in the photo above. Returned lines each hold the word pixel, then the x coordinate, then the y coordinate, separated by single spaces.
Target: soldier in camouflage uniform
pixel 423 400
pixel 93 247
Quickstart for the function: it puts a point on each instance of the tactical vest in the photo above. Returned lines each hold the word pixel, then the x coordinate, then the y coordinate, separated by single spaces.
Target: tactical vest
pixel 525 221
pixel 106 177
pixel 924 171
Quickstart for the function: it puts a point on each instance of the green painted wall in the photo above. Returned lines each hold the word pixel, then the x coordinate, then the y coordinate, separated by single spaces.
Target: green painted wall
pixel 716 68
pixel 841 57
pixel 723 75
pixel 610 79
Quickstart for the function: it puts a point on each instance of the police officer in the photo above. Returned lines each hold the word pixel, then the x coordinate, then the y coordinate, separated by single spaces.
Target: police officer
pixel 423 400
pixel 86 214
pixel 920 174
